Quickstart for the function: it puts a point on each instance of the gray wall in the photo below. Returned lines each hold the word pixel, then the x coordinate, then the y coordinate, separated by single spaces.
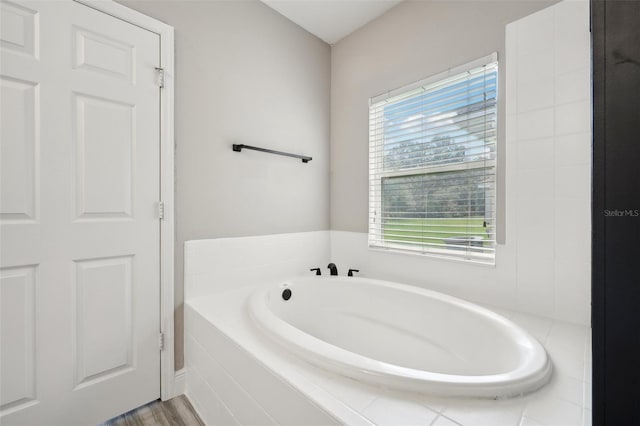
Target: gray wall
pixel 245 74
pixel 414 40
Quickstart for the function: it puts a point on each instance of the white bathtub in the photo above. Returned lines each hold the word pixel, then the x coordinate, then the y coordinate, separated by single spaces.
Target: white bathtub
pixel 401 337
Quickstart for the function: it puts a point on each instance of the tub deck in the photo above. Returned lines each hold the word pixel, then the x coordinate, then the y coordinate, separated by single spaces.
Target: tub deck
pixel 236 375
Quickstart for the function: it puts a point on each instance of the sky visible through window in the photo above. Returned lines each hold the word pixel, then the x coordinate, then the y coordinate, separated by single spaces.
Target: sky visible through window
pixel 447 124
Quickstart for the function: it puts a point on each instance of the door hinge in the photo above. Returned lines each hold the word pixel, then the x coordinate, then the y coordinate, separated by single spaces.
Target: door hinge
pixel 161 210
pixel 160 76
pixel 161 341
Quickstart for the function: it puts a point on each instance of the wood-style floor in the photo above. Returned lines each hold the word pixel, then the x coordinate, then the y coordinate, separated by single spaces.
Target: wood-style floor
pixel 174 412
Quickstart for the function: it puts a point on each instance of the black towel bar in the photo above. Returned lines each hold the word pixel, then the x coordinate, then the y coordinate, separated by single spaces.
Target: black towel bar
pixel 240 147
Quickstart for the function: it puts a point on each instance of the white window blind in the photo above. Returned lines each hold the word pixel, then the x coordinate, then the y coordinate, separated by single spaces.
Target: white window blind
pixel 432 165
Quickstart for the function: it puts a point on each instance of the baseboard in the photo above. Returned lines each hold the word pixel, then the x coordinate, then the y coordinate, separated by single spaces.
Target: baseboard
pixel 179 382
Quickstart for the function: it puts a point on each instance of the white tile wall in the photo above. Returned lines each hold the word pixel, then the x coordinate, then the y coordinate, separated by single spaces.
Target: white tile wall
pixel 228 386
pixel 554 267
pixel 229 392
pixel 222 264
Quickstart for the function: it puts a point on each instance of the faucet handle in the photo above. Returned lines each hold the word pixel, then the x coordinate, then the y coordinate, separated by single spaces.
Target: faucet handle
pixel 317 271
pixel 351 271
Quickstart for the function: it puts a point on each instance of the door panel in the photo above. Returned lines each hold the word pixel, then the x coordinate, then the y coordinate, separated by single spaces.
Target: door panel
pixel 104 141
pixel 19 149
pixel 17 287
pixel 80 236
pixel 103 290
pixel 102 54
pixel 19 28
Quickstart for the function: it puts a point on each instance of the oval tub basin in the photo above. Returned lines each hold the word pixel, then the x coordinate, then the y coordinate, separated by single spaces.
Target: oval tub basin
pixel 401 337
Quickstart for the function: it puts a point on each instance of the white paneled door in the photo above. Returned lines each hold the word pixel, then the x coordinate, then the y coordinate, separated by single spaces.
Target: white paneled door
pixel 80 232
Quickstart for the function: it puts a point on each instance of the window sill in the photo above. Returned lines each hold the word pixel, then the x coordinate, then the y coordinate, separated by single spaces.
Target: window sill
pixel 483 261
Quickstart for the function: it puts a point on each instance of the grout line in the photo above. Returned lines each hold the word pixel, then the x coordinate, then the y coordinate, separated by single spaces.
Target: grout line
pixel 233 379
pixel 362 411
pixel 546 337
pixel 523 409
pixel 370 404
pixel 434 419
pixel 448 418
pixel 439 412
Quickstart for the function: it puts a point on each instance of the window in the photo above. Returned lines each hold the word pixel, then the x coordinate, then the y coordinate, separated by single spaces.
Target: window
pixel 432 165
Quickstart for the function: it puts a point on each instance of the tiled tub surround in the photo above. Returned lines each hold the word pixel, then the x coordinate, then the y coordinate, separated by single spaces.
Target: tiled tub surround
pixel 236 375
pixel 226 263
pixel 548 166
